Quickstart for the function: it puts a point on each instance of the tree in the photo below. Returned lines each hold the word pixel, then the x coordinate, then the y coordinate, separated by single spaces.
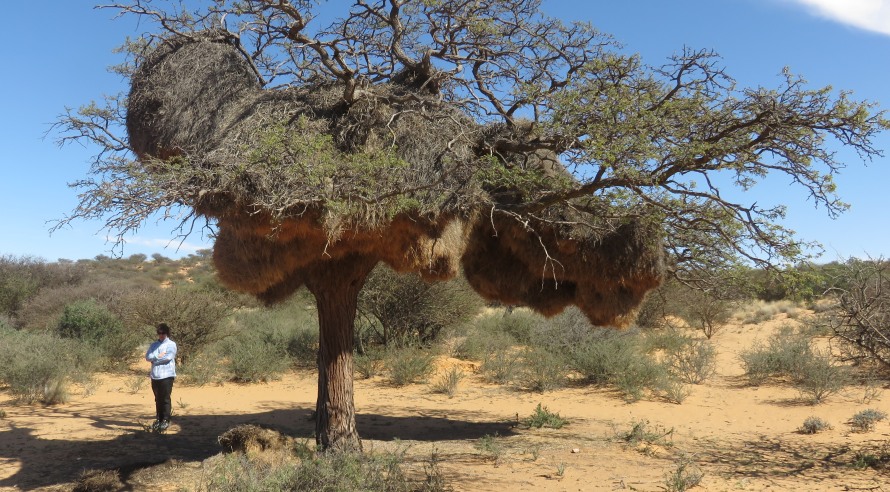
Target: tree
pixel 433 134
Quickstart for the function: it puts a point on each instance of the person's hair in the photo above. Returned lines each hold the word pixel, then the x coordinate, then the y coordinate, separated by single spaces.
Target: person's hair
pixel 163 328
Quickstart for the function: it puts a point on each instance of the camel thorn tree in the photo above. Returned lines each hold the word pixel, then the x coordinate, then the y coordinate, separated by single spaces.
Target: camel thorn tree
pixel 438 135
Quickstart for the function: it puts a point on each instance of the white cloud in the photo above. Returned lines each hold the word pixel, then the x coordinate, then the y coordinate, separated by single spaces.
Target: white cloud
pixel 871 15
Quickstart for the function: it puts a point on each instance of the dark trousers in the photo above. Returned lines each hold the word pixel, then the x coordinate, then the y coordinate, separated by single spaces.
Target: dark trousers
pixel 162 389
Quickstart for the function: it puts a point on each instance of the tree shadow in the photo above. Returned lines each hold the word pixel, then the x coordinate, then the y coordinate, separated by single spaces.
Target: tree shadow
pixel 40 462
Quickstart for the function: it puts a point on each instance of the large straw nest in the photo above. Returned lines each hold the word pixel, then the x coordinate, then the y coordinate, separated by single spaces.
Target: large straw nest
pixel 296 177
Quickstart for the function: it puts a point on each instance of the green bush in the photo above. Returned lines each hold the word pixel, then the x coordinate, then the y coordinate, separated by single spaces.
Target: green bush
pixel 542 370
pixel 194 316
pixel 21 278
pixel 542 417
pixel 290 326
pixel 609 357
pixel 255 357
pixel 39 366
pixel 501 367
pixel 409 365
pixel 785 354
pixel 812 425
pixel 820 378
pixel 92 322
pixel 447 382
pixel 369 363
pixel 694 362
pixel 866 420
pixel 332 472
pixel 411 311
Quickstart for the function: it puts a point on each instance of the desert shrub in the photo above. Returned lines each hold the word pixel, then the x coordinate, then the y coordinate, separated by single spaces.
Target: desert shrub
pixel 542 370
pixel 759 311
pixel 255 357
pixel 542 417
pixel 370 362
pixel 642 432
pixel 447 383
pixel 42 312
pixel 203 368
pixel 194 316
pixel 813 425
pixel 484 337
pixel 501 367
pixel 653 311
pixel 684 477
pixel 92 322
pixel 860 318
pixel 784 354
pixel 693 362
pixel 820 377
pixel 98 481
pixel 609 357
pixel 409 365
pixel 21 278
pixel 39 366
pixel 667 339
pixel 704 310
pixel 865 420
pixel 410 311
pixel 521 325
pixel 331 472
pixel 291 325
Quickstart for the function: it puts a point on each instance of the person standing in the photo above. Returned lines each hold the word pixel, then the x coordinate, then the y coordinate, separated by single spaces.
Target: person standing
pixel 162 355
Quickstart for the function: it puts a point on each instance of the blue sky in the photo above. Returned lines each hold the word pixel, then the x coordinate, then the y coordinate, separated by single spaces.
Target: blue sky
pixel 56 56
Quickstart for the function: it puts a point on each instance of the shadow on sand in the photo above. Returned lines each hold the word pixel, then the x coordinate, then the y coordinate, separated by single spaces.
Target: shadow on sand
pixel 44 462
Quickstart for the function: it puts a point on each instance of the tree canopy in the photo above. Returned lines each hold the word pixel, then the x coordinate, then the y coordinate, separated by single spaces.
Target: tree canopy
pixel 654 143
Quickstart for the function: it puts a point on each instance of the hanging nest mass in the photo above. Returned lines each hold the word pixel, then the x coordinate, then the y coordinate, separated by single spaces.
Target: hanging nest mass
pixel 297 176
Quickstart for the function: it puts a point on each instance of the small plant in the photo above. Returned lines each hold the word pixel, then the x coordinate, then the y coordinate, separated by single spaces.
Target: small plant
pixel 561 470
pixel 2 414
pixel 673 391
pixel 542 417
pixel 181 404
pixel 877 459
pixel 642 433
pixel 491 446
pixel 686 476
pixel 820 378
pixel 866 420
pixel 409 365
pixel 135 384
pixel 447 383
pixel 812 425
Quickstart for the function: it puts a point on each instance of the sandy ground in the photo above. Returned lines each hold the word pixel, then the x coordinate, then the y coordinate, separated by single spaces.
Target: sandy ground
pixel 742 438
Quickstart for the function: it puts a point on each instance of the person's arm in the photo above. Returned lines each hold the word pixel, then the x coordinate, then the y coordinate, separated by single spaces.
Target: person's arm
pixel 167 352
pixel 151 354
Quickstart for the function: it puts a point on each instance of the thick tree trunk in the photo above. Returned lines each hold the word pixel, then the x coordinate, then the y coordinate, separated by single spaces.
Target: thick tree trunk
pixel 336 285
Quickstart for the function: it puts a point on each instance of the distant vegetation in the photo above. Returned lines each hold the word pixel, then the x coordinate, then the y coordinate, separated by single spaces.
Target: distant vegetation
pixel 62 321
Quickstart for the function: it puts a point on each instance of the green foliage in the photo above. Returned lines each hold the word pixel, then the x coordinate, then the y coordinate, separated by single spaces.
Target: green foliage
pixel 813 425
pixel 693 362
pixel 642 432
pixel 542 370
pixel 447 382
pixel 92 322
pixel 255 357
pixel 369 363
pixel 39 366
pixel 194 316
pixel 491 445
pixel 865 420
pixel 684 477
pixel 542 417
pixel 21 278
pixel 704 310
pixel 789 354
pixel 409 365
pixel 290 326
pixel 410 311
pixel 609 357
pixel 331 472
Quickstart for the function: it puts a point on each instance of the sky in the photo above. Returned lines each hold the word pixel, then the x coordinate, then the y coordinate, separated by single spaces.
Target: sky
pixel 56 55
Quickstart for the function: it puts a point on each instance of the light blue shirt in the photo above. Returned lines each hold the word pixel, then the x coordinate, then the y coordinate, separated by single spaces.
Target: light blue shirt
pixel 162 367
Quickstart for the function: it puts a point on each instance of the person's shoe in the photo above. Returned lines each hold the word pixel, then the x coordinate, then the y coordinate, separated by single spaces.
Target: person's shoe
pixel 163 425
pixel 155 425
